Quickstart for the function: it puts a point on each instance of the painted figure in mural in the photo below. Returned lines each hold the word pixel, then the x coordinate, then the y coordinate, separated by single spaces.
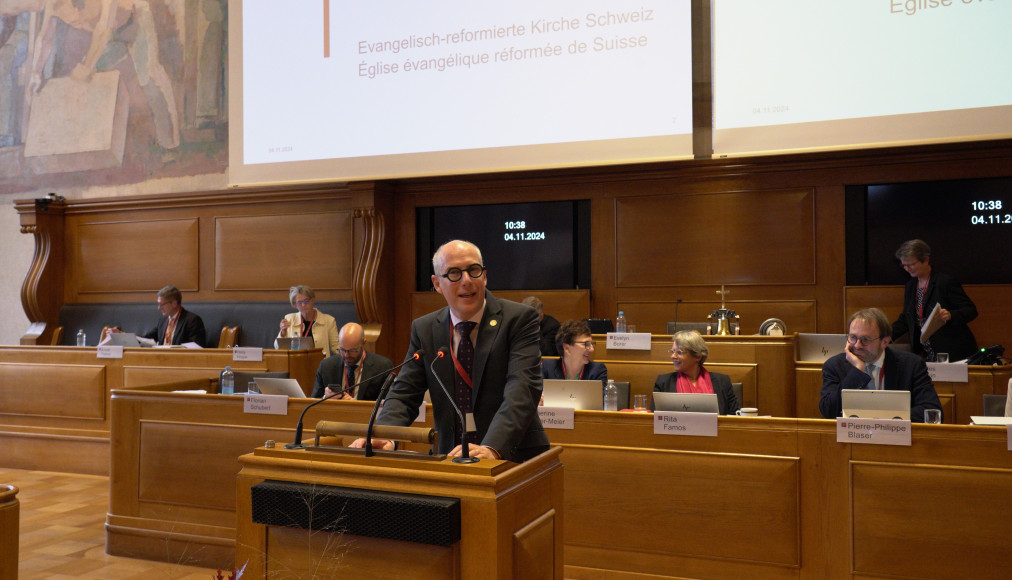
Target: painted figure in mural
pixel 15 17
pixel 118 28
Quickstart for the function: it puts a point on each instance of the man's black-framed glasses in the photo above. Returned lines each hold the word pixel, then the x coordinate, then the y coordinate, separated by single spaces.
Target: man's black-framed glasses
pixel 864 340
pixel 455 274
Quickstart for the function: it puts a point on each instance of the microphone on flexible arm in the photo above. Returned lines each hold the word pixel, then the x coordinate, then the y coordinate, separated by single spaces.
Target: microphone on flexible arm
pixel 465 456
pixel 677 302
pixel 297 444
pixel 379 400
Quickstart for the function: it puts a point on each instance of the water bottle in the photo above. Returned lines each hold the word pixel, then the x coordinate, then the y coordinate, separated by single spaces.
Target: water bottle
pixel 227 381
pixel 81 338
pixel 620 323
pixel 610 396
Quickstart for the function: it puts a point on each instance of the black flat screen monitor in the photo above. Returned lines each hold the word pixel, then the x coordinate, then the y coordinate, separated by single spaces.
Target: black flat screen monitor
pixel 525 246
pixel 967 223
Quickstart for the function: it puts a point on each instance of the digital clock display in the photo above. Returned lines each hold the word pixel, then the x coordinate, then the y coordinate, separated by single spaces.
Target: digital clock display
pixel 967 223
pixel 525 246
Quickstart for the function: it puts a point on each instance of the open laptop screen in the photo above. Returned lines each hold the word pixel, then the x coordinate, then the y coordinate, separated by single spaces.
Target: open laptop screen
pixel 869 404
pixel 686 402
pixel 585 395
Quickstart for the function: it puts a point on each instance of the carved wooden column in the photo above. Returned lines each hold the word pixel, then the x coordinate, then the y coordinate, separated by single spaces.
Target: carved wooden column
pixel 372 296
pixel 42 291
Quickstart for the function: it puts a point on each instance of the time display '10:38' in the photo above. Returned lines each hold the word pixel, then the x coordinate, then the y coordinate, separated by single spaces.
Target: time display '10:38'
pixel 986 205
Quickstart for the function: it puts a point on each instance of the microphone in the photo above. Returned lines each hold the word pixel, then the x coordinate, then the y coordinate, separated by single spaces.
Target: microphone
pixel 677 302
pixel 464 453
pixel 297 444
pixel 379 401
pixel 375 410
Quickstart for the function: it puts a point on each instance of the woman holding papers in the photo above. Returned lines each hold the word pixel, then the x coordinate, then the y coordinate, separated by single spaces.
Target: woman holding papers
pixel 924 290
pixel 577 348
pixel 309 321
pixel 688 353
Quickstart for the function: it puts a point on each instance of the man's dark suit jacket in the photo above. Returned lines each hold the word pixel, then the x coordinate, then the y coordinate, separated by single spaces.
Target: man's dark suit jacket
pixel 903 372
pixel 551 368
pixel 727 403
pixel 954 337
pixel 506 375
pixel 189 328
pixel 331 371
pixel 549 328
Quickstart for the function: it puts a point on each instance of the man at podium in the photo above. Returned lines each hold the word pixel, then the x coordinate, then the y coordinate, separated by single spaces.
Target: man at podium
pixel 491 366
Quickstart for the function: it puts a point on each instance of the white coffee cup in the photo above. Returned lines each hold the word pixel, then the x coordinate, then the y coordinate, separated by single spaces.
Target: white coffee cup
pixel 747 412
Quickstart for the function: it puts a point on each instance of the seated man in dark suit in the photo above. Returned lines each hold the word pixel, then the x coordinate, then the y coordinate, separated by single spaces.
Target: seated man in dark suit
pixel 178 325
pixel 549 326
pixel 354 365
pixel 866 363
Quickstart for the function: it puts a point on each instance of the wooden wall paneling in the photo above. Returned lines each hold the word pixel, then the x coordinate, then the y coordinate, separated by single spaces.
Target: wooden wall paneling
pixel 757 499
pixel 135 256
pixel 54 391
pixel 275 252
pixel 919 521
pixel 807 389
pixel 43 288
pixel 830 258
pixel 755 237
pixel 652 317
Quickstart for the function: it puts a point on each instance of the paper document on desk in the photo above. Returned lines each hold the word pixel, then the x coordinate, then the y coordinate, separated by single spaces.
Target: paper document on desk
pixel 932 324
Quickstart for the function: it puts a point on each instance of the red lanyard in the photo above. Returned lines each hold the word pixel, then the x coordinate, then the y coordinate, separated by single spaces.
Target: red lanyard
pixel 456 363
pixel 565 375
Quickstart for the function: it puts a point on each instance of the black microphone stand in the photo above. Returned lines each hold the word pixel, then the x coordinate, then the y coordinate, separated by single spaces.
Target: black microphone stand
pixel 297 444
pixel 375 411
pixel 465 456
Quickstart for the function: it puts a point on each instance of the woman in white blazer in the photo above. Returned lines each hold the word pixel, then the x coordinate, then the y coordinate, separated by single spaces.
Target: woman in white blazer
pixel 309 321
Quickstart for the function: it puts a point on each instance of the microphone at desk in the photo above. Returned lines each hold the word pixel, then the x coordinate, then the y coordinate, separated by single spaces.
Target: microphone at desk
pixel 465 456
pixel 379 400
pixel 297 444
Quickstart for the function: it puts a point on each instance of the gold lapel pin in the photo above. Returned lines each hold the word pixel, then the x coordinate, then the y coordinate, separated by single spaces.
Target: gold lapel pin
pixel 493 322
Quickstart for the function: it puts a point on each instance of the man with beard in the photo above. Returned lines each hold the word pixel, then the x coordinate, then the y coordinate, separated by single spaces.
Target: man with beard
pixel 866 363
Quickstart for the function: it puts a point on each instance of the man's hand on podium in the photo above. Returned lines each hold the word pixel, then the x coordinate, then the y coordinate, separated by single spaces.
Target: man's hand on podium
pixel 479 451
pixel 378 444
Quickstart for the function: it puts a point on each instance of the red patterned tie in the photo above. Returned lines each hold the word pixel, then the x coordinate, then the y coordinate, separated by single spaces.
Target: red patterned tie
pixel 462 392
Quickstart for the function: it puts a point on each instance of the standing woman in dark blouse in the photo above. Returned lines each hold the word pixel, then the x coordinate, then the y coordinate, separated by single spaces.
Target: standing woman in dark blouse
pixel 926 288
pixel 576 347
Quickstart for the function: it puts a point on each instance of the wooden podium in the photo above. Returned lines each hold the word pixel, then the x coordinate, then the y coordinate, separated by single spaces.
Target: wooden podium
pixel 508 516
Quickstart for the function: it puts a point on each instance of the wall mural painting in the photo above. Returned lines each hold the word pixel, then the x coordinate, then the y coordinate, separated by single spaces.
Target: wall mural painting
pixel 111 92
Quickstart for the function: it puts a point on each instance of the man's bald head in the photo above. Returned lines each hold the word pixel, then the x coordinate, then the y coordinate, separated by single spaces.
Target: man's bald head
pixel 351 340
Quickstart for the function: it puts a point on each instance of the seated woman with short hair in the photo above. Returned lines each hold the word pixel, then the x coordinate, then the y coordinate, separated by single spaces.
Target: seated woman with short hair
pixel 309 321
pixel 576 347
pixel 688 353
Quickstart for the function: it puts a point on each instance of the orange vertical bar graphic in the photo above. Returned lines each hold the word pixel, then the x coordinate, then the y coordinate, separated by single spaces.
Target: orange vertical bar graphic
pixel 326 28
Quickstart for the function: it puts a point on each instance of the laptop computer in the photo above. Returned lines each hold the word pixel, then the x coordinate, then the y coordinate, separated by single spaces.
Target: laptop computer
pixel 584 395
pixel 290 387
pixel 868 404
pixel 686 402
pixel 124 339
pixel 820 347
pixel 305 343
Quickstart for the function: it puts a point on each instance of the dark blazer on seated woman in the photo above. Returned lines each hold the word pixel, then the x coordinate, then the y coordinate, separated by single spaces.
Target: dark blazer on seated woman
pixel 551 368
pixel 727 403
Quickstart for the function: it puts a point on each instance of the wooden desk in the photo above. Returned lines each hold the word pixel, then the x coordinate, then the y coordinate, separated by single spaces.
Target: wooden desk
pixel 767 498
pixel 174 466
pixel 54 400
pixel 780 498
pixel 764 365
pixel 510 517
pixel 960 401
